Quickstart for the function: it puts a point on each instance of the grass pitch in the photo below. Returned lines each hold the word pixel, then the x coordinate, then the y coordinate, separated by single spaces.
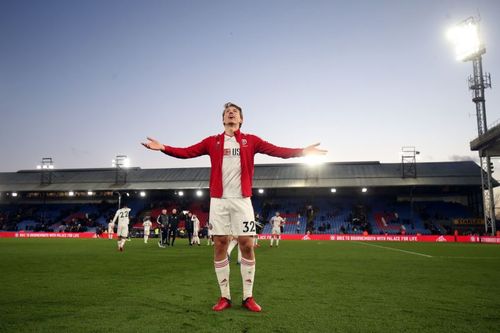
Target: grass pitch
pixel 77 285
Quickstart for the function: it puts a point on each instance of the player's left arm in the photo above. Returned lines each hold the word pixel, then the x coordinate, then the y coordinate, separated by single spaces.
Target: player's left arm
pixel 264 147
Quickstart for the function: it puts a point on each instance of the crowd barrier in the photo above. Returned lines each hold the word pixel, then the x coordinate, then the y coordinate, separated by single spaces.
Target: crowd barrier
pixel 323 237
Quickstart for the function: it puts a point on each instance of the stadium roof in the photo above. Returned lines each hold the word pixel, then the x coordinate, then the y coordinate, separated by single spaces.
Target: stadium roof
pixel 488 144
pixel 347 174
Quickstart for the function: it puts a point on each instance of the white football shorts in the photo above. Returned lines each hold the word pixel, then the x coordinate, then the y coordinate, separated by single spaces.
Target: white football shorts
pixel 122 230
pixel 232 216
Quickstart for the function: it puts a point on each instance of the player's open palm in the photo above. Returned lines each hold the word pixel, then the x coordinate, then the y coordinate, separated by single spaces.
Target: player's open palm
pixel 314 150
pixel 152 144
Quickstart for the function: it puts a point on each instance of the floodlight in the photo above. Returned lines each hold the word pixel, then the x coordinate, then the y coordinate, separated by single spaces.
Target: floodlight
pixel 333 190
pixel 364 190
pixel 14 194
pixel 199 193
pixel 47 163
pixel 121 161
pixel 71 193
pixel 90 193
pixel 180 193
pixel 261 191
pixel 466 38
pixel 142 194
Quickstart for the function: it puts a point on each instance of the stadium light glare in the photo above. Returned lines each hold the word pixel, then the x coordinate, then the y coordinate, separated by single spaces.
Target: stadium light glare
pixel 89 193
pixel 38 166
pixel 313 160
pixel 142 194
pixel 199 193
pixel 333 190
pixel 71 193
pixel 180 193
pixel 261 191
pixel 14 194
pixel 465 37
pixel 364 190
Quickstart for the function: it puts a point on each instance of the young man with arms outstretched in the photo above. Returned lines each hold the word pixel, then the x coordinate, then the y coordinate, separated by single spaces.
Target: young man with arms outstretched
pixel 231 212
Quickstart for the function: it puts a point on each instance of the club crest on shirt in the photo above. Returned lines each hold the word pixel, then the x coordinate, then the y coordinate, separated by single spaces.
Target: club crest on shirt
pixel 244 142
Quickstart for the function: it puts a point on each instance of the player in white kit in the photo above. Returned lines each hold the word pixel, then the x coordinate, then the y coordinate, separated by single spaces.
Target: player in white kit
pixel 196 230
pixel 231 212
pixel 232 244
pixel 122 215
pixel 276 223
pixel 111 229
pixel 210 239
pixel 147 228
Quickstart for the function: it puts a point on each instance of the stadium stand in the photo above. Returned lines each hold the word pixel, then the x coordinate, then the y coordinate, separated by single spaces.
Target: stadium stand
pixel 441 192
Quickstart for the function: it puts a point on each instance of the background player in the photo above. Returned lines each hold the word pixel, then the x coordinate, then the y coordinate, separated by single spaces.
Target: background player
pixel 196 230
pixel 162 220
pixel 111 229
pixel 276 224
pixel 122 215
pixel 232 245
pixel 258 226
pixel 147 228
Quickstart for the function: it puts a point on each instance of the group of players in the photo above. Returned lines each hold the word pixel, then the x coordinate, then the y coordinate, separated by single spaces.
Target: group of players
pixel 169 226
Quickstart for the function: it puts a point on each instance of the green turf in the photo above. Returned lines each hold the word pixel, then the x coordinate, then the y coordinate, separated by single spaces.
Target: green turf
pixel 76 285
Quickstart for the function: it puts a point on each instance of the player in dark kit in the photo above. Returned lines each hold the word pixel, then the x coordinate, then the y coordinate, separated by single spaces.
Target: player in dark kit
pixel 173 224
pixel 231 212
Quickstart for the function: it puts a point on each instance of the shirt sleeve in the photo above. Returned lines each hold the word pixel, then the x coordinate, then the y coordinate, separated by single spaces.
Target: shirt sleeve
pixel 198 149
pixel 264 147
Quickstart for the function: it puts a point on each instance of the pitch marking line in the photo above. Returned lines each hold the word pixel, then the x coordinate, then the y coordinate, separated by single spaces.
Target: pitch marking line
pixel 394 249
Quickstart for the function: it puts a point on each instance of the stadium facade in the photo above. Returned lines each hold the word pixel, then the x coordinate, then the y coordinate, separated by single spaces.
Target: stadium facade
pixel 452 181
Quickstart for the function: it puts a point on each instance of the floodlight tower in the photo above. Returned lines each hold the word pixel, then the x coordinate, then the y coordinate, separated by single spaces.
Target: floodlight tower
pixel 409 162
pixel 469 47
pixel 46 166
pixel 121 163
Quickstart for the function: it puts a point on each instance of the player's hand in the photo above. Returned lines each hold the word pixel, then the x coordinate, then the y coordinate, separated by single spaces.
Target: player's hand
pixel 152 144
pixel 313 150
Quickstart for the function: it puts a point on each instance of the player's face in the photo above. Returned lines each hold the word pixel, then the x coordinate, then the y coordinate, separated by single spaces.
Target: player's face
pixel 164 211
pixel 174 211
pixel 232 116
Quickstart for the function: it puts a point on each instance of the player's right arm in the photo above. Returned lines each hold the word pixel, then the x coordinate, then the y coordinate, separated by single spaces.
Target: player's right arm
pixel 199 149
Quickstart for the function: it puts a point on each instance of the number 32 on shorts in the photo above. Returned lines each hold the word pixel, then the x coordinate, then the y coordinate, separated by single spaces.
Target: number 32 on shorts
pixel 249 226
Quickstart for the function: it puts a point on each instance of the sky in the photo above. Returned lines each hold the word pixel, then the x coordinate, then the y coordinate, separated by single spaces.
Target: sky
pixel 84 81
